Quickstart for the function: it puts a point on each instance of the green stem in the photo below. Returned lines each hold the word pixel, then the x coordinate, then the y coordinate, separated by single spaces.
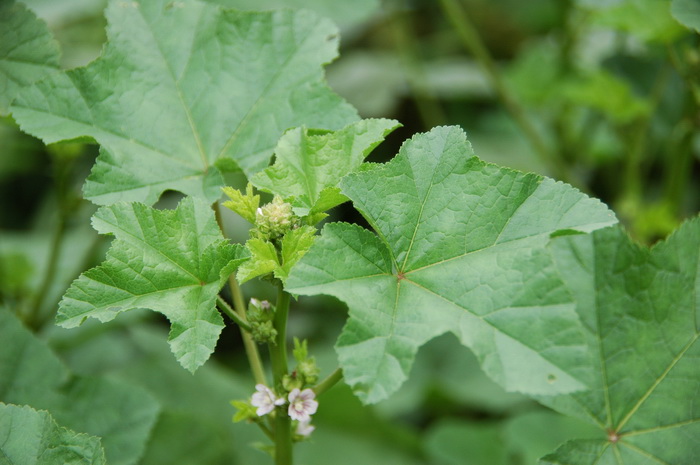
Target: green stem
pixel 278 357
pixel 251 348
pixel 472 41
pixel 226 308
pixel 329 382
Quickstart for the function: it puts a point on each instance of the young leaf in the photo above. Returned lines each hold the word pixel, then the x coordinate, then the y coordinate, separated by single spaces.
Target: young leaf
pixel 183 86
pixel 33 437
pixel 309 164
pixel 170 261
pixel 459 247
pixel 28 51
pixel 30 373
pixel 640 310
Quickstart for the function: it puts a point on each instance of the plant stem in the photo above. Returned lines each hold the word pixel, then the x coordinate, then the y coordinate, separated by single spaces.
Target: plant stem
pixel 249 344
pixel 472 41
pixel 278 357
pixel 329 382
pixel 226 308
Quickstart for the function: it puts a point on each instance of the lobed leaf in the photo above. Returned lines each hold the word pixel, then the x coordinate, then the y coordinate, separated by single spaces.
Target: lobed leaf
pixel 170 261
pixel 459 247
pixel 28 51
pixel 640 310
pixel 309 163
pixel 184 90
pixel 32 437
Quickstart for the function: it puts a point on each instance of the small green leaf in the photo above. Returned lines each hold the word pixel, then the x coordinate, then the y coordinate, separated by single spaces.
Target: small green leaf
pixel 294 245
pixel 263 260
pixel 640 309
pixel 28 51
pixel 181 85
pixel 32 437
pixel 687 12
pixel 243 204
pixel 459 247
pixel 310 164
pixel 170 261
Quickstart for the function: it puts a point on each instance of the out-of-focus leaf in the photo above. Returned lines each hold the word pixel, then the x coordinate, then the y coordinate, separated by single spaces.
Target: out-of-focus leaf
pixel 453 442
pixel 640 309
pixel 649 20
pixel 170 261
pixel 181 86
pixel 459 247
pixel 687 12
pixel 28 52
pixel 31 437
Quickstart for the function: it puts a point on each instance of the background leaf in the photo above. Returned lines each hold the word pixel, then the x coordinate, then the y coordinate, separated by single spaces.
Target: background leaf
pixel 33 438
pixel 640 309
pixel 170 261
pixel 458 248
pixel 687 12
pixel 30 373
pixel 181 88
pixel 27 51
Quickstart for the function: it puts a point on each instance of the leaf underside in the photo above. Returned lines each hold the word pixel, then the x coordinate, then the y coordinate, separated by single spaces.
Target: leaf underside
pixel 641 310
pixel 170 261
pixel 458 247
pixel 184 90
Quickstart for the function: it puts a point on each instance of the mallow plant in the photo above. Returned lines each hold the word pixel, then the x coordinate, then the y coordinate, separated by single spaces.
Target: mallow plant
pixel 530 274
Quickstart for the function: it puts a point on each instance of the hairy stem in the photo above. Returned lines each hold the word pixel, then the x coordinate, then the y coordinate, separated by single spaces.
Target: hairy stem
pixel 249 344
pixel 278 357
pixel 226 308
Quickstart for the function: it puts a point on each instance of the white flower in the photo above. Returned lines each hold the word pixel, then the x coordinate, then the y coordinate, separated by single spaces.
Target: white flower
pixel 305 428
pixel 302 404
pixel 265 400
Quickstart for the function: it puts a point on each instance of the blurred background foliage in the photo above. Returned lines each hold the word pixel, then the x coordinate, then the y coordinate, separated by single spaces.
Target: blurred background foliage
pixel 603 94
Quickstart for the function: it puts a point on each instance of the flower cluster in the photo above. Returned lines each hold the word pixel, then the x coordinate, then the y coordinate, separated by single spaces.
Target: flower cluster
pixel 275 219
pixel 302 405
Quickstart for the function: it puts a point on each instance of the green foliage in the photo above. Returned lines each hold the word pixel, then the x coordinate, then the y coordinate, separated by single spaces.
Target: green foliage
pixel 28 52
pixel 170 261
pixel 687 12
pixel 30 373
pixel 165 107
pixel 243 204
pixel 33 438
pixel 458 248
pixel 639 308
pixel 309 164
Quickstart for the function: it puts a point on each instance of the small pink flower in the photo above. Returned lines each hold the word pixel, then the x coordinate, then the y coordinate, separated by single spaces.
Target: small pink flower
pixel 302 404
pixel 305 428
pixel 265 400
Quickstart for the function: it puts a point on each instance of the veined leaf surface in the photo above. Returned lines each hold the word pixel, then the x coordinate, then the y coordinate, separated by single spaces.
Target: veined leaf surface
pixel 641 310
pixel 459 246
pixel 170 261
pixel 185 90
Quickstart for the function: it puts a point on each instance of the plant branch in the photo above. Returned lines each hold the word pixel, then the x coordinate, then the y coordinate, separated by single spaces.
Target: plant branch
pixel 473 43
pixel 278 357
pixel 249 344
pixel 226 308
pixel 329 382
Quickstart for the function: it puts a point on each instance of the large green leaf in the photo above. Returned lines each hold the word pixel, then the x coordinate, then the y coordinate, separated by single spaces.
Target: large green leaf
pixel 459 247
pixel 641 309
pixel 170 261
pixel 184 90
pixel 34 438
pixel 687 12
pixel 309 164
pixel 30 373
pixel 28 52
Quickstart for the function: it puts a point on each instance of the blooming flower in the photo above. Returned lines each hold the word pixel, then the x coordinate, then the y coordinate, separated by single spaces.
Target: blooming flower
pixel 302 404
pixel 305 428
pixel 265 400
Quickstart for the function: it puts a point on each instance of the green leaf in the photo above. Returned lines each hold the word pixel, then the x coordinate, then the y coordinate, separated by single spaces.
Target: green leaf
pixel 640 309
pixel 181 85
pixel 30 437
pixel 263 260
pixel 28 51
pixel 649 20
pixel 309 164
pixel 243 204
pixel 30 373
pixel 170 261
pixel 459 247
pixel 687 12
pixel 454 442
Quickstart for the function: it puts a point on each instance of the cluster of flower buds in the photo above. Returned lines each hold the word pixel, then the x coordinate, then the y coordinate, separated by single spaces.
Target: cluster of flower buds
pixel 260 314
pixel 306 371
pixel 275 219
pixel 302 405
